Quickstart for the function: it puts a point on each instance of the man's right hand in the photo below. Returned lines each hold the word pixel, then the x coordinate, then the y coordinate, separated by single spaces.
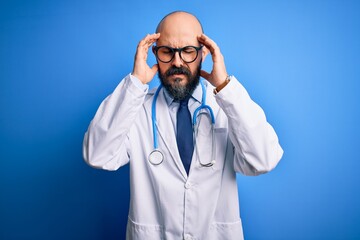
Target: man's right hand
pixel 141 69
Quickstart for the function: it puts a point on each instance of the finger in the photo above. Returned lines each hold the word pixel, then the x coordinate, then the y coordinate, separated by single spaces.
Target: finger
pixel 205 74
pixel 148 40
pixel 145 43
pixel 209 43
pixel 151 38
pixel 212 46
pixel 154 36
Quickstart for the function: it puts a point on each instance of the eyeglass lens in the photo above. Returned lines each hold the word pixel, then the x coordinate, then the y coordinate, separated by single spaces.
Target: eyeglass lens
pixel 166 54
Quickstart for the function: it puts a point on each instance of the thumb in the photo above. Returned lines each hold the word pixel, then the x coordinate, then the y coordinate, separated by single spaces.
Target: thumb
pixel 205 74
pixel 154 69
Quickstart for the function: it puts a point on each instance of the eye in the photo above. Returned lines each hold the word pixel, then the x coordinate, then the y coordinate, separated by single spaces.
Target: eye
pixel 189 50
pixel 165 50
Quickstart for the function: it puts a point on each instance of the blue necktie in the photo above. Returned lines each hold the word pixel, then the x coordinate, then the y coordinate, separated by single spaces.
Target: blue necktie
pixel 184 134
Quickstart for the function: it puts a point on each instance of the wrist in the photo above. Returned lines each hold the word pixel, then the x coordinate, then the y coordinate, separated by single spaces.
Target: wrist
pixel 222 85
pixel 138 77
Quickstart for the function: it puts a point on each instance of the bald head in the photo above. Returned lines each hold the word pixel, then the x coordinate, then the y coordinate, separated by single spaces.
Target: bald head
pixel 178 29
pixel 178 14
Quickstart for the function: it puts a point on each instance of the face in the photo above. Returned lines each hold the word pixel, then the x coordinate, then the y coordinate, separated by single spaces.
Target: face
pixel 178 77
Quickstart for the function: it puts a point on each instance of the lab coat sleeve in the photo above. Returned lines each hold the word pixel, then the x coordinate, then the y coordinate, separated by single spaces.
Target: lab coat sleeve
pixel 256 146
pixel 106 143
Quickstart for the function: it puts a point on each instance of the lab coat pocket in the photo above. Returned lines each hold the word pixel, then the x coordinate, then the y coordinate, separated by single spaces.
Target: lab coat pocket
pixel 209 148
pixel 226 230
pixel 137 231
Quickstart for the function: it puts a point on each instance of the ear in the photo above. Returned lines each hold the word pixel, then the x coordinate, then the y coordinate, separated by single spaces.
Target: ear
pixel 154 52
pixel 205 51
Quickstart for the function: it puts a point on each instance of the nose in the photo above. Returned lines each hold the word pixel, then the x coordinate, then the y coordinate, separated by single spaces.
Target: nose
pixel 177 61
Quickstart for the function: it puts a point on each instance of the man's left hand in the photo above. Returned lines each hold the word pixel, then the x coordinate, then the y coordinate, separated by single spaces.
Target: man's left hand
pixel 218 74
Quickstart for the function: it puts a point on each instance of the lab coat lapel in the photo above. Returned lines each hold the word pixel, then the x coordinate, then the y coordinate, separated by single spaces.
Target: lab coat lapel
pixel 167 135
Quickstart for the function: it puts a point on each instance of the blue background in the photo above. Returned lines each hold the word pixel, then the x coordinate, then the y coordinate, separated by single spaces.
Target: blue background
pixel 300 60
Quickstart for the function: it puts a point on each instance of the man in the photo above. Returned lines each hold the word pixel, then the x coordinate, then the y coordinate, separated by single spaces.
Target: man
pixel 186 190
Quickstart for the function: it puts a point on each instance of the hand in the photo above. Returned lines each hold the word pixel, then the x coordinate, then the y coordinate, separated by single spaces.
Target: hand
pixel 218 73
pixel 141 69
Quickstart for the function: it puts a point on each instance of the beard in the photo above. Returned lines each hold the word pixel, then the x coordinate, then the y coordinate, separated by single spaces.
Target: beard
pixel 176 90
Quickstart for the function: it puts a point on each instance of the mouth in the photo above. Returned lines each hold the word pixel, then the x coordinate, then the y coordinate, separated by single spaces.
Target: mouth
pixel 178 77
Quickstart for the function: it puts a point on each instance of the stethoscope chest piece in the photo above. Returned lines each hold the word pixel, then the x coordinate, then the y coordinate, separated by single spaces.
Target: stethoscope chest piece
pixel 156 157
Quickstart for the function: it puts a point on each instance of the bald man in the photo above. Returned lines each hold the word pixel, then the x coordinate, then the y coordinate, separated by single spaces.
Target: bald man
pixel 183 181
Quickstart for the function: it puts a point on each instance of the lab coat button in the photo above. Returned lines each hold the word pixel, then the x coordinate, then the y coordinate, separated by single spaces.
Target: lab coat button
pixel 187 185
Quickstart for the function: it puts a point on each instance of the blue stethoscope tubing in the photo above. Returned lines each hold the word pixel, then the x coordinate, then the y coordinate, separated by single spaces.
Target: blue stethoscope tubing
pixel 156 157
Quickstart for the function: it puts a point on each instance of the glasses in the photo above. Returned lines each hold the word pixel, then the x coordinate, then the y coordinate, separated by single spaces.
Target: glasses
pixel 166 54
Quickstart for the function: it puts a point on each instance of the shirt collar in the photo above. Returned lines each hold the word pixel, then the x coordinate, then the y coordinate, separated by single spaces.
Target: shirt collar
pixel 197 95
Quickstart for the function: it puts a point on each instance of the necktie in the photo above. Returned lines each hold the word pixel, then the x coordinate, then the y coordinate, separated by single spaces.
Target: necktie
pixel 184 134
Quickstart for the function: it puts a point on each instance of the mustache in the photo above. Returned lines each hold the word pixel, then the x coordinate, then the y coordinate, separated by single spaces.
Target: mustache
pixel 177 70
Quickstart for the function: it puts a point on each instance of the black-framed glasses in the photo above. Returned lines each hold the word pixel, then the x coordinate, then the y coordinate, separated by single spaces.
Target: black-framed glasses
pixel 166 54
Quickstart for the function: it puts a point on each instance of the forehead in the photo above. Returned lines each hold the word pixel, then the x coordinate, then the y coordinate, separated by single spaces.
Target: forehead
pixel 178 41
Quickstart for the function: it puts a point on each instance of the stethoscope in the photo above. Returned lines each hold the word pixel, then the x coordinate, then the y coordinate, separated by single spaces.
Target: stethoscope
pixel 156 157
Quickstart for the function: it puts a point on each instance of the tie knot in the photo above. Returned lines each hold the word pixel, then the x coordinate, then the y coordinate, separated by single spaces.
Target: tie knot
pixel 184 103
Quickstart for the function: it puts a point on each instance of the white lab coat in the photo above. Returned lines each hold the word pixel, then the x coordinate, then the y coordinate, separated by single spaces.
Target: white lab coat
pixel 165 202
